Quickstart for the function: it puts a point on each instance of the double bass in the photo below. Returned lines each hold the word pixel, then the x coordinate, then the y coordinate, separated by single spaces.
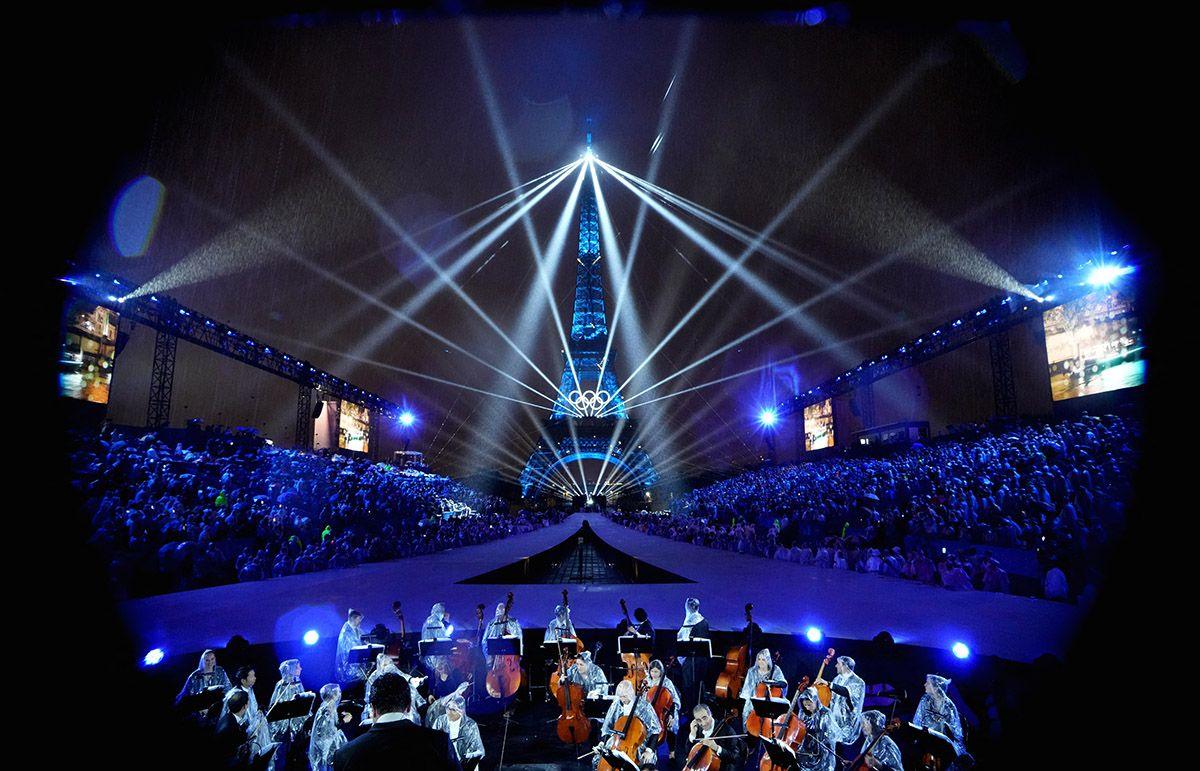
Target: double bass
pixel 630 729
pixel 636 664
pixel 788 730
pixel 579 648
pixel 573 725
pixel 737 660
pixel 824 694
pixel 504 672
pixel 397 648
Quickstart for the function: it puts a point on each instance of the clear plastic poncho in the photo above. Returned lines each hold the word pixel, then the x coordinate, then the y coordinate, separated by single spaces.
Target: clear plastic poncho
pixel 327 736
pixel 349 637
pixel 286 689
pixel 754 677
pixel 885 751
pixel 199 680
pixel 467 743
pixel 257 730
pixel 383 665
pixel 816 752
pixel 644 713
pixel 434 628
pixel 560 626
pixel 940 714
pixel 595 679
pixel 847 713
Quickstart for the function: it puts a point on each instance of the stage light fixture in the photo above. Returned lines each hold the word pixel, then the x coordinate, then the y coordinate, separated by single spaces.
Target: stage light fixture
pixel 311 637
pixel 407 418
pixel 154 657
pixel 813 634
pixel 768 418
pixel 960 650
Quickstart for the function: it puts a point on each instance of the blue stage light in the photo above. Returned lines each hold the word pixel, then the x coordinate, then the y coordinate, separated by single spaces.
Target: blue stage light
pixel 311 637
pixel 154 657
pixel 1105 275
pixel 768 418
pixel 813 634
pixel 960 650
pixel 407 418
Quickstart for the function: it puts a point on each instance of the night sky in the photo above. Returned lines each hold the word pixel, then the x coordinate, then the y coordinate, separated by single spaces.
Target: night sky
pixel 918 139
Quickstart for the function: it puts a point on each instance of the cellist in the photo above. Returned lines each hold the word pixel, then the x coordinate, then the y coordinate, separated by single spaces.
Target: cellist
pixel 764 668
pixel 502 625
pixel 621 706
pixel 586 673
pixel 731 752
pixel 884 755
pixel 816 752
pixel 657 676
pixel 847 693
pixel 560 626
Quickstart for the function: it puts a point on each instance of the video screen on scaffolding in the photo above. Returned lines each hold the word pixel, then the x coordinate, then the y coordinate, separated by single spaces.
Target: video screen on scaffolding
pixel 1094 344
pixel 88 351
pixel 354 424
pixel 818 425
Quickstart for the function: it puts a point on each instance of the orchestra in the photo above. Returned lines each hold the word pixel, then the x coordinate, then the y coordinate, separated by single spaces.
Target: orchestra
pixel 639 719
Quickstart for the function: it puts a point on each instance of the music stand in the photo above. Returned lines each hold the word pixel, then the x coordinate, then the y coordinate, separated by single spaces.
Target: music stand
pixel 198 702
pixel 701 647
pixel 297 706
pixel 628 643
pixel 920 741
pixel 781 755
pixel 427 648
pixel 770 707
pixel 504 646
pixel 363 655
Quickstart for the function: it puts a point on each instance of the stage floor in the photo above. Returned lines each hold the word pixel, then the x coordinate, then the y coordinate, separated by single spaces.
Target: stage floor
pixel 787 598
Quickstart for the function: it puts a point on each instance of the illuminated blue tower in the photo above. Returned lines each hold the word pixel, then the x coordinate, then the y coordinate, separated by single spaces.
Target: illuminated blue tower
pixel 589 411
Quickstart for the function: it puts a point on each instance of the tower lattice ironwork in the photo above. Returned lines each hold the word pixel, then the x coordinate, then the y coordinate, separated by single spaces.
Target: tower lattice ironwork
pixel 589 415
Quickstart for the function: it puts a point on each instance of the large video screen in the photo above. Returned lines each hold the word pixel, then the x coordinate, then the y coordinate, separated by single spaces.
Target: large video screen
pixel 354 425
pixel 89 348
pixel 818 425
pixel 1094 344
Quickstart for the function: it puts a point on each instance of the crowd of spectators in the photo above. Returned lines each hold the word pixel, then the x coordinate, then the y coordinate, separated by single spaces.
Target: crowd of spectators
pixel 940 512
pixel 172 515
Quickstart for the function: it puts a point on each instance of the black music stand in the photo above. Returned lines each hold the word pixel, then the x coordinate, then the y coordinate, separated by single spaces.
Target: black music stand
pixel 781 755
pixel 297 706
pixel 503 646
pixel 435 647
pixel 198 702
pixel 914 740
pixel 363 656
pixel 628 643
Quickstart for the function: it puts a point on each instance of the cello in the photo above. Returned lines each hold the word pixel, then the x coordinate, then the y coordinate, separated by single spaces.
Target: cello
pixel 860 763
pixel 757 725
pixel 579 648
pixel 824 694
pixel 789 730
pixel 636 664
pixel 702 758
pixel 661 701
pixel 573 725
pixel 737 660
pixel 504 672
pixel 630 729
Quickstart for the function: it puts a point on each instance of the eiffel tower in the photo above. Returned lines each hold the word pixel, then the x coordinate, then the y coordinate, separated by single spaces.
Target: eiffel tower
pixel 589 411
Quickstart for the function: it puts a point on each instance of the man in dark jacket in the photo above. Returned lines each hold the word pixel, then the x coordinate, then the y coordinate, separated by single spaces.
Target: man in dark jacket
pixel 394 741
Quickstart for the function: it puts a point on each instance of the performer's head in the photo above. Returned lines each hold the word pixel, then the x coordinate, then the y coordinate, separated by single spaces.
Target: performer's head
pixel 355 617
pixel 562 613
pixel 625 691
pixel 455 707
pixel 935 685
pixel 873 722
pixel 809 701
pixel 208 660
pixel 656 670
pixel 703 715
pixel 438 612
pixel 499 610
pixel 246 677
pixel 640 615
pixel 691 605
pixel 584 661
pixel 763 661
pixel 844 665
pixel 390 693
pixel 237 703
pixel 289 669
pixel 331 694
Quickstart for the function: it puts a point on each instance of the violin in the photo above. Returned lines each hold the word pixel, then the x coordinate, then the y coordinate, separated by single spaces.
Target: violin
pixel 737 660
pixel 757 725
pixel 504 674
pixel 788 730
pixel 630 730
pixel 703 758
pixel 824 694
pixel 636 664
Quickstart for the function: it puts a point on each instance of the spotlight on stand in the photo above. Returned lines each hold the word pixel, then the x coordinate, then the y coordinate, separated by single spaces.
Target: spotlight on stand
pixel 311 637
pixel 960 650
pixel 813 634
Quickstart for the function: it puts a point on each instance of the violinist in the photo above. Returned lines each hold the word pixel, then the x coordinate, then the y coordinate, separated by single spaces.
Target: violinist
pixel 463 731
pixel 848 691
pixel 937 712
pixel 730 752
pixel 622 705
pixel 816 752
pixel 560 626
pixel 885 755
pixel 586 673
pixel 764 669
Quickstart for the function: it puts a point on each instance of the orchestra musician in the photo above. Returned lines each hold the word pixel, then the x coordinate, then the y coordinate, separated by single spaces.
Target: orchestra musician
pixel 656 675
pixel 255 721
pixel 816 752
pixel 641 626
pixel 327 736
pixel 206 675
pixel 384 665
pixel 587 673
pixel 621 706
pixel 349 637
pixel 560 626
pixel 694 669
pixel 463 731
pixel 937 712
pixel 848 691
pixel 885 755
pixel 764 669
pixel 731 752
pixel 436 627
pixel 288 688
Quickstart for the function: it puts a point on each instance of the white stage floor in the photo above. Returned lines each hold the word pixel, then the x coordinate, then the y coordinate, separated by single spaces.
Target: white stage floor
pixel 787 598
